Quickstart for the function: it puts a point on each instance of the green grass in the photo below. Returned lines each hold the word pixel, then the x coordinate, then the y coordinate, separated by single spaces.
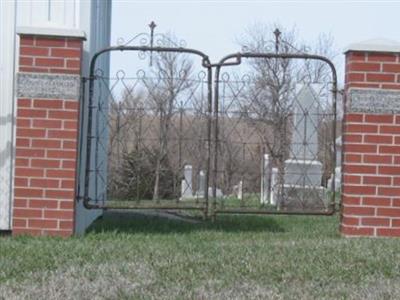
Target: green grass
pixel 237 257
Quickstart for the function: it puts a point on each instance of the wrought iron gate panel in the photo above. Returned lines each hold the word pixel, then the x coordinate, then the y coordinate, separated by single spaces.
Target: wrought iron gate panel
pixel 273 151
pixel 173 136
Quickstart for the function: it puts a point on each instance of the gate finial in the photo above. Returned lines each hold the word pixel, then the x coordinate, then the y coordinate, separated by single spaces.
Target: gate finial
pixel 152 26
pixel 277 34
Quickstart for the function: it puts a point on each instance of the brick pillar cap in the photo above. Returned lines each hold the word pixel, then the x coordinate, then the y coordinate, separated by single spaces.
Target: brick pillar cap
pixel 51 32
pixel 375 45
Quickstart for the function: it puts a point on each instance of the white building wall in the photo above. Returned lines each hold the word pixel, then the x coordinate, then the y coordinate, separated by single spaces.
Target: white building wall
pixel 7 59
pixel 94 18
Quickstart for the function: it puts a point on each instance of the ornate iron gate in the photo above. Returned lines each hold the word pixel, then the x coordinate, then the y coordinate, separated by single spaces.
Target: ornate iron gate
pixel 174 136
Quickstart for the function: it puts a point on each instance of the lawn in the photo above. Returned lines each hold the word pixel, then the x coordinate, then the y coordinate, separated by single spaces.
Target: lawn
pixel 237 257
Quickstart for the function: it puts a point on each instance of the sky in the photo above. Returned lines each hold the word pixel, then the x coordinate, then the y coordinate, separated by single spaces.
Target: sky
pixel 215 26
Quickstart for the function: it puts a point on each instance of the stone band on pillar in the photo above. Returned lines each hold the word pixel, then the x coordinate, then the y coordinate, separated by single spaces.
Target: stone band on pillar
pixel 47 132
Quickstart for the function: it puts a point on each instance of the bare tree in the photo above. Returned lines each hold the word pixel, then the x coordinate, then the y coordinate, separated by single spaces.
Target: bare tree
pixel 172 71
pixel 268 99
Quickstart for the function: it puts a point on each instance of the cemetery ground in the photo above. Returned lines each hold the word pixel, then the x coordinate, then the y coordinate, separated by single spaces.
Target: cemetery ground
pixel 131 256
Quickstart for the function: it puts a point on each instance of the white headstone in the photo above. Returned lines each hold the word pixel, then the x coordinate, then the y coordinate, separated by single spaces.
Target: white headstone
pixel 265 180
pixel 201 189
pixel 186 186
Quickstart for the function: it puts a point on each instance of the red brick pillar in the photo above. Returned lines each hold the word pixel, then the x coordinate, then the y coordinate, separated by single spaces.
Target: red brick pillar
pixel 371 142
pixel 47 114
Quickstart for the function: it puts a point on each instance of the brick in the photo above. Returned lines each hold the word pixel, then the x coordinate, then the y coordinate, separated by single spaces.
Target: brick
pixel 73 125
pixel 381 57
pixel 73 63
pixel 378 139
pixel 359 148
pixel 359 189
pixel 377 180
pixel 40 203
pixel 355 56
pixel 391 86
pixel 355 76
pixel 377 159
pixel 21 102
pixel 351 200
pixel 28 132
pixel 357 231
pixel 363 67
pixel 59 194
pixel 61 114
pixel 389 170
pixel 379 77
pixel 352 179
pixel 389 191
pixel 21 162
pixel 375 221
pixel 59 214
pixel 359 169
pixel 20 142
pixel 49 62
pixel 18 202
pixel 31 113
pixel 26 41
pixel 66 225
pixel 358 210
pixel 356 118
pixel 34 69
pixel 45 143
pixel 388 232
pixel 389 149
pixel 25 61
pixel 21 182
pixel 61 154
pixel 74 104
pixel 389 129
pixel 60 173
pixel 350 221
pixel 395 222
pixel 64 71
pixel 69 145
pixel 26 152
pixel 74 43
pixel 23 123
pixel 352 138
pixel 362 85
pixel 65 53
pixel 388 212
pixel 34 51
pixel 68 184
pixel 44 183
pixel 41 223
pixel 69 164
pixel 46 163
pixel 62 134
pixel 22 223
pixel 44 123
pixel 28 172
pixel 66 204
pixel 352 158
pixel 379 119
pixel 28 192
pixel 362 128
pixel 51 42
pixel 27 213
pixel 48 103
pixel 376 201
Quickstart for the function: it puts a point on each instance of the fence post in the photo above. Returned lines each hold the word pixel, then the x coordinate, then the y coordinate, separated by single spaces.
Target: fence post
pixel 371 140
pixel 47 116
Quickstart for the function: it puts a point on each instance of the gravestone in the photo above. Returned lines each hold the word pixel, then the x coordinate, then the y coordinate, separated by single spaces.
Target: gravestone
pixel 303 172
pixel 201 189
pixel 186 185
pixel 338 168
pixel 265 180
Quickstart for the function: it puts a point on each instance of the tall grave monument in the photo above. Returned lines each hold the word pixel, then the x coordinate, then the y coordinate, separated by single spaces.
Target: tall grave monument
pixel 303 171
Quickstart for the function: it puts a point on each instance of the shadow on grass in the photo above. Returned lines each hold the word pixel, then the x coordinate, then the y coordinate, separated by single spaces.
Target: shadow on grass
pixel 133 222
